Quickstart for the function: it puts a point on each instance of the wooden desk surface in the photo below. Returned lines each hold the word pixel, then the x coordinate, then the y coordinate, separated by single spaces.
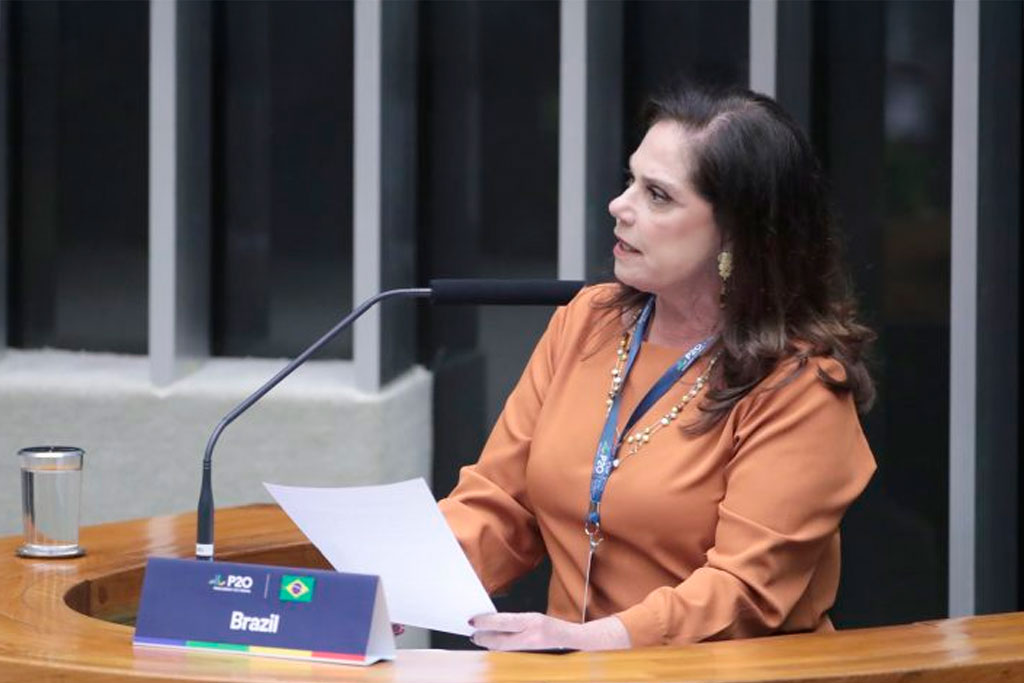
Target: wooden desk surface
pixel 45 636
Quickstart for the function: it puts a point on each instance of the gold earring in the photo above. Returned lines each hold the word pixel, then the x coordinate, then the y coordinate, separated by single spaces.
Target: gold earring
pixel 724 271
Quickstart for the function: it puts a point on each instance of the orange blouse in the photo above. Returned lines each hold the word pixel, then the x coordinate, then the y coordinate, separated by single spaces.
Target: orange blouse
pixel 729 534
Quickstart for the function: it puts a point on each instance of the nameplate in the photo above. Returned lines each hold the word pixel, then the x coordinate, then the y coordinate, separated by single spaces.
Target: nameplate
pixel 257 609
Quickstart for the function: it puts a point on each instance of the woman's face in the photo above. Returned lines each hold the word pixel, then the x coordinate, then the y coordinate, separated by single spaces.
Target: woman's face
pixel 667 238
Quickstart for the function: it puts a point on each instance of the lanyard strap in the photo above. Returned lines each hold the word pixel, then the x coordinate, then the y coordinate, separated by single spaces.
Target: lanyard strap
pixel 610 443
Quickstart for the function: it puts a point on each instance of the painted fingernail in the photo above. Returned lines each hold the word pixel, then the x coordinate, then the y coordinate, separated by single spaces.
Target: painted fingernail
pixel 472 622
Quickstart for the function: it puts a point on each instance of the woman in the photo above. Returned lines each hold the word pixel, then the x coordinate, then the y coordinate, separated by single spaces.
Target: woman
pixel 703 501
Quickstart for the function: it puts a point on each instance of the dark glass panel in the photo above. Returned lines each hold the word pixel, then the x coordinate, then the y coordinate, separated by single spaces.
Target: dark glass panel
pixel 79 92
pixel 706 41
pixel 399 217
pixel 999 468
pixel 490 167
pixel 882 100
pixel 283 176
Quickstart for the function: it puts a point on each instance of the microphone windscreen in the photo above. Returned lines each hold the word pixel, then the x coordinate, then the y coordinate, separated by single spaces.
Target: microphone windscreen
pixel 504 292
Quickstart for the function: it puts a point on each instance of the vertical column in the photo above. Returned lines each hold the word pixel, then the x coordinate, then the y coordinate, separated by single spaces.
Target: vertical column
pixel 179 188
pixel 162 188
pixel 763 46
pixel 590 135
pixel 572 140
pixel 5 213
pixel 193 164
pixel 366 189
pixel 963 310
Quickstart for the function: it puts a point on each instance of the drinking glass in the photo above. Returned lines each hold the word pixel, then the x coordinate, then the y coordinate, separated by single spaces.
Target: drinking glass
pixel 51 493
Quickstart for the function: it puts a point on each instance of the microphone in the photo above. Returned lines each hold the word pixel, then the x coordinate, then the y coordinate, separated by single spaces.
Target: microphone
pixel 502 292
pixel 514 292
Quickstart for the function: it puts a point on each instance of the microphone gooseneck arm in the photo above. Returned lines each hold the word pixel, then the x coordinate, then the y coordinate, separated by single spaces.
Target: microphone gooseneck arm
pixel 204 523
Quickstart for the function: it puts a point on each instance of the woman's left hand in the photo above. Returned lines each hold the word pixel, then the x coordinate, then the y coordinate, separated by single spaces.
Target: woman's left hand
pixel 534 631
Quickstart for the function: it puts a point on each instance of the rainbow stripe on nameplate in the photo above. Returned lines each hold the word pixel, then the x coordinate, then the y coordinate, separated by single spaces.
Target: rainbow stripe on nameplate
pixel 250 609
pixel 232 648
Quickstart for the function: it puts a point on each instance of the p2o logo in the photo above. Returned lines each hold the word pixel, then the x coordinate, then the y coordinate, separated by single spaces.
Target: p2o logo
pixel 243 582
pixel 234 583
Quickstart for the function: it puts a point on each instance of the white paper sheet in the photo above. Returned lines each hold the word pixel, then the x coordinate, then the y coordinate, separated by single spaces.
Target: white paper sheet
pixel 397 532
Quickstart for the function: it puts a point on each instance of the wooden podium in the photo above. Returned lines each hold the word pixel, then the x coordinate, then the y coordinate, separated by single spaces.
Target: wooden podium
pixel 70 620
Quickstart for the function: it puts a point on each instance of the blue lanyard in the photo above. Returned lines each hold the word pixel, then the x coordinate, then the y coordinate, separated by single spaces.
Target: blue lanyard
pixel 609 445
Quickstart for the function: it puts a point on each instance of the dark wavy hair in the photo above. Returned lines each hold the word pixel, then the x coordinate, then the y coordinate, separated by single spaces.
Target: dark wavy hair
pixel 788 296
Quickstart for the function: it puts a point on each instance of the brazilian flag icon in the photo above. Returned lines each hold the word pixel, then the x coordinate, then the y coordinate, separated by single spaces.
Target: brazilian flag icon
pixel 297 588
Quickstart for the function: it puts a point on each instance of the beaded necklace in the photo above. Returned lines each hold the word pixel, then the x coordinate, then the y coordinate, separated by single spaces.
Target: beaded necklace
pixel 637 439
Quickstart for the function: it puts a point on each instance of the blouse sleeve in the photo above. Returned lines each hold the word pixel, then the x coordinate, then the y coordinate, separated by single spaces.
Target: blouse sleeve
pixel 489 510
pixel 800 458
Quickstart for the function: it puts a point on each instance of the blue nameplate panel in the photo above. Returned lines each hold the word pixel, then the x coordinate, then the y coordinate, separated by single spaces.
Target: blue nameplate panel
pixel 262 610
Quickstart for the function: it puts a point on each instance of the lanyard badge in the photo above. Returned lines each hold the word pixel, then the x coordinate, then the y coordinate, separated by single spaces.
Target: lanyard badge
pixel 610 442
